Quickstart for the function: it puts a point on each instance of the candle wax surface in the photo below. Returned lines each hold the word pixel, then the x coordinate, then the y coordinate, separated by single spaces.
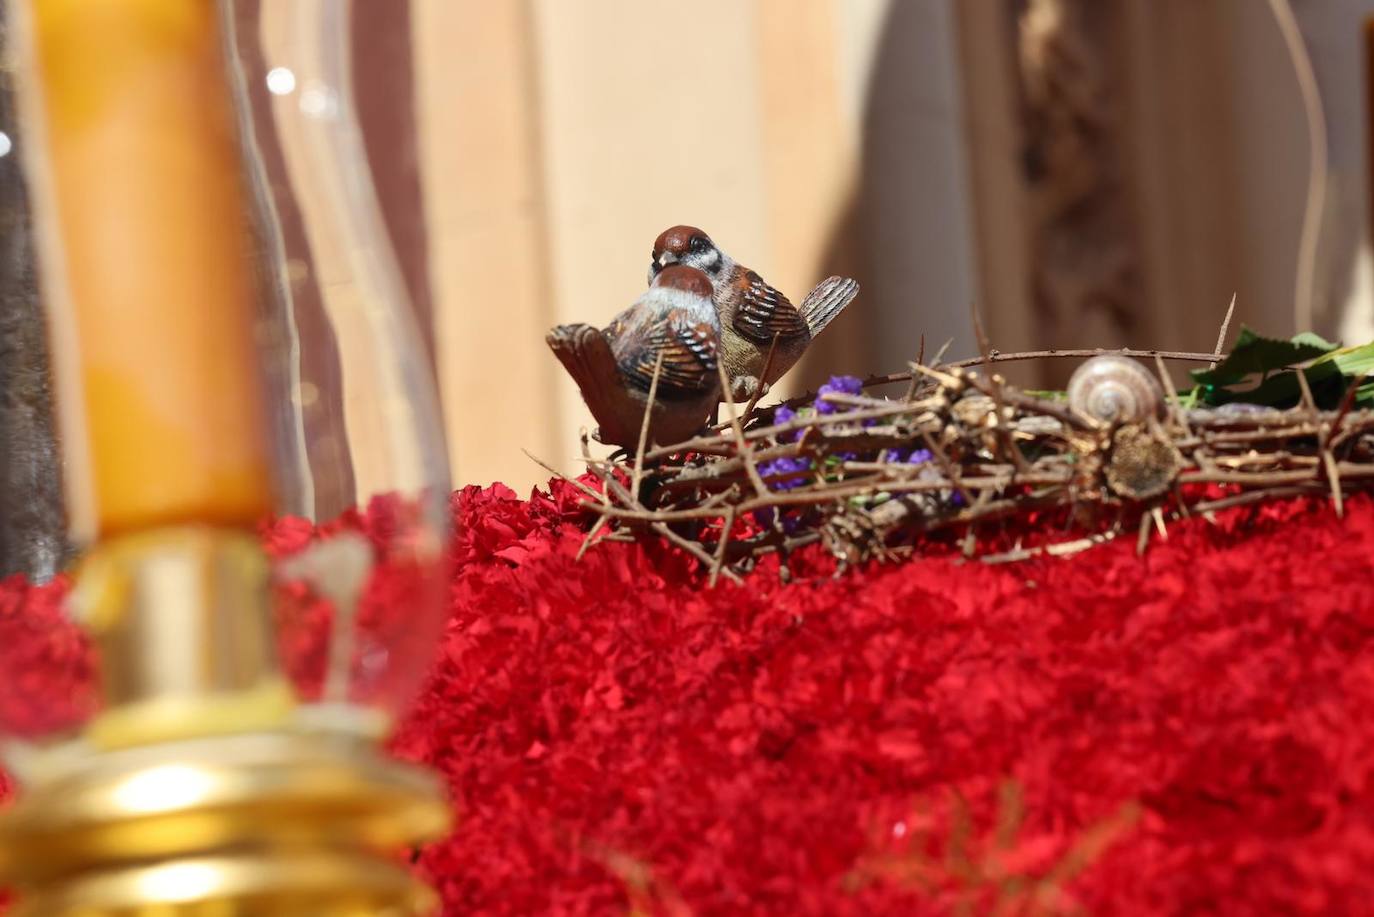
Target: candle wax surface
pixel 153 226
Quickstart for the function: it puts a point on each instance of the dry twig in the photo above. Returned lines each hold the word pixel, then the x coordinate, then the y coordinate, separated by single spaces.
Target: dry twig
pixel 844 476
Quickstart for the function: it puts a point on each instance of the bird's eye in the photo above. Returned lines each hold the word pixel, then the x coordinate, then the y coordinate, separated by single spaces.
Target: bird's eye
pixel 698 244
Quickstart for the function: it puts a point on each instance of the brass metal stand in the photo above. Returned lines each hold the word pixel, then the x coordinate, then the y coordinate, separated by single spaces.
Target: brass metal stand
pixel 197 791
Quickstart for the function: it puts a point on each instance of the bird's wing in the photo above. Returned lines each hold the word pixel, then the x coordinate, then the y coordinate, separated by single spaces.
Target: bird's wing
pixel 763 312
pixel 826 301
pixel 689 351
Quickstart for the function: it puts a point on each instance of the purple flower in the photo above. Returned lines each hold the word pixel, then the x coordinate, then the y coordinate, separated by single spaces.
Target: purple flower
pixel 843 385
pixel 766 517
pixel 784 466
pixel 850 385
pixel 782 414
pixel 909 456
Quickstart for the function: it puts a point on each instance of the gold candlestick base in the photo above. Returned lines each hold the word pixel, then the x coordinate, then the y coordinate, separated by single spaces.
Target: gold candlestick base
pixel 259 824
pixel 201 787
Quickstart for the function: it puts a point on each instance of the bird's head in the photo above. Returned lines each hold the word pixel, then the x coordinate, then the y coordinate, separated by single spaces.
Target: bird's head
pixel 683 278
pixel 686 245
pixel 678 286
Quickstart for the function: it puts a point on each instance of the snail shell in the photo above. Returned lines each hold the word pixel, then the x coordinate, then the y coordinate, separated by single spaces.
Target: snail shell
pixel 1115 389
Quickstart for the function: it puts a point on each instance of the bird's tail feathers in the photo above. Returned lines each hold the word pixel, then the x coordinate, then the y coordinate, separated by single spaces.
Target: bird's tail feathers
pixel 826 301
pixel 586 355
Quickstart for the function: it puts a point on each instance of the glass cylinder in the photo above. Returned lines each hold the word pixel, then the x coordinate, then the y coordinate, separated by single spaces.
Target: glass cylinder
pixel 356 421
pixel 1329 47
pixel 253 457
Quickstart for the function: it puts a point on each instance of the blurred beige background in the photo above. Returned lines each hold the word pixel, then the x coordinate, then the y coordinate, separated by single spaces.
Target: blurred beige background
pixel 1090 172
pixel 1087 172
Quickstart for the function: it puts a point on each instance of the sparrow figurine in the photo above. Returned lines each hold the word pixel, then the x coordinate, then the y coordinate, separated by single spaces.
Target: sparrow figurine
pixel 675 319
pixel 752 313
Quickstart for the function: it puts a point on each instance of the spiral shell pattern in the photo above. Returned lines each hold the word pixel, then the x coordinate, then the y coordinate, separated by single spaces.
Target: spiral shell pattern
pixel 1115 389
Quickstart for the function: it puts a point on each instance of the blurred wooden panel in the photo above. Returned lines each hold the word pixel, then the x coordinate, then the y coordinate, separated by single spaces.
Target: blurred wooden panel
pixel 1185 170
pixel 810 157
pixel 561 138
pixel 650 117
pixel 1086 264
pixel 482 164
pixel 1211 137
pixel 1268 145
pixel 1219 167
pixel 997 187
pixel 912 217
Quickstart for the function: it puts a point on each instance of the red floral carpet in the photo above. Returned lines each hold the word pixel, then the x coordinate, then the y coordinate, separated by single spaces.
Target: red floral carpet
pixel 1192 731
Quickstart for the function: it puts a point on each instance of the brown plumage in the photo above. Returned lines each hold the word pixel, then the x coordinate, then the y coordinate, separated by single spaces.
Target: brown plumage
pixel 614 368
pixel 752 313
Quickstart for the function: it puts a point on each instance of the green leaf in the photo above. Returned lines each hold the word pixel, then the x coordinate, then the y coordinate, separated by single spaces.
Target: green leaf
pixel 1364 397
pixel 1311 339
pixel 1254 353
pixel 1352 361
pixel 1281 390
pixel 1188 398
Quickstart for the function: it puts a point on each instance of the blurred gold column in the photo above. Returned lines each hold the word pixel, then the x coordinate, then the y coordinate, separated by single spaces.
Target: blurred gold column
pixel 140 145
pixel 194 789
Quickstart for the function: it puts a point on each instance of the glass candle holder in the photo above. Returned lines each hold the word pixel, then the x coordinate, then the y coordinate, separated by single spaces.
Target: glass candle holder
pixel 259 373
pixel 358 437
pixel 253 463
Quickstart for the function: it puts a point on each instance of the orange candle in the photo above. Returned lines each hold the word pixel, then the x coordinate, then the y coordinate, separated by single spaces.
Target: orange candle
pixel 143 169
